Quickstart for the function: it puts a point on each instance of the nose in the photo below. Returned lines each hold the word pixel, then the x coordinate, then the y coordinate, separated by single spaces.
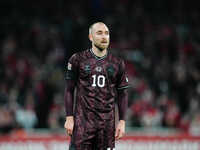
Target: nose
pixel 104 39
pixel 104 35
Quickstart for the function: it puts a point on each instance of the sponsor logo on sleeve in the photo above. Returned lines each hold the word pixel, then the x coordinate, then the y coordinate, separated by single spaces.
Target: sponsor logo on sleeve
pixel 69 66
pixel 126 79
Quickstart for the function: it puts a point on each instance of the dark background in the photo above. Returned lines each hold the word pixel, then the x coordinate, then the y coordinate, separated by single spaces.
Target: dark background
pixel 159 39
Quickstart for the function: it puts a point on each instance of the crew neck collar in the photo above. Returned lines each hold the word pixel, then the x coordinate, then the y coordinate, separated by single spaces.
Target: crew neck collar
pixel 97 57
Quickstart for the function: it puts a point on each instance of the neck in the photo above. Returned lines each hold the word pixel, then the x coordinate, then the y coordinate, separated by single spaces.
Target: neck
pixel 98 52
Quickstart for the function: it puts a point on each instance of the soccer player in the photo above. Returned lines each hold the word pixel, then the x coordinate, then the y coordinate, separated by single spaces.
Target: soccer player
pixel 100 80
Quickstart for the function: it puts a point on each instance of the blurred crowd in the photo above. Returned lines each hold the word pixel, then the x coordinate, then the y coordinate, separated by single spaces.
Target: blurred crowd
pixel 158 39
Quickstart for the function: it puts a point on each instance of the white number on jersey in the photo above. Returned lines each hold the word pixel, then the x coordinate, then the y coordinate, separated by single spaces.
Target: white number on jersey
pixel 98 80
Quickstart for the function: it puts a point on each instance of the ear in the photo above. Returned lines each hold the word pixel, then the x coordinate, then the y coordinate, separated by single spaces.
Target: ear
pixel 90 37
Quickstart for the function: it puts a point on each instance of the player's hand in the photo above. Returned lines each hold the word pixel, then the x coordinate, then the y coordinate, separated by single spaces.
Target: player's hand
pixel 69 125
pixel 120 130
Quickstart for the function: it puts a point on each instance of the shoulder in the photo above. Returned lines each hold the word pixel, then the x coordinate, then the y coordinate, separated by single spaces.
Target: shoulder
pixel 79 55
pixel 115 59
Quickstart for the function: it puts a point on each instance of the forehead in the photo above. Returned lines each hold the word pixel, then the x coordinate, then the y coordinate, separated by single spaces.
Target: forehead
pixel 99 27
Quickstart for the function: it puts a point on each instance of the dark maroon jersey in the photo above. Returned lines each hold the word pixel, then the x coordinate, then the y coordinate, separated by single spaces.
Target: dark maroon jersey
pixel 97 81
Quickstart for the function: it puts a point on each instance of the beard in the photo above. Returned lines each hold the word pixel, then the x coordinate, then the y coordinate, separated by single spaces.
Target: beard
pixel 100 47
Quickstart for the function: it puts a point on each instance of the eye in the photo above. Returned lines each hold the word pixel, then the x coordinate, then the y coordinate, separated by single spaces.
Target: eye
pixel 106 32
pixel 99 32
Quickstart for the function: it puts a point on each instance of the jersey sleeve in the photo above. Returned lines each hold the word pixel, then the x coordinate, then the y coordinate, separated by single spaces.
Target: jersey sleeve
pixel 72 68
pixel 71 79
pixel 122 78
pixel 122 85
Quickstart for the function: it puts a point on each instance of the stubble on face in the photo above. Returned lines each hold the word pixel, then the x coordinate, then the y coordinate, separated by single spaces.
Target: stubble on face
pixel 100 35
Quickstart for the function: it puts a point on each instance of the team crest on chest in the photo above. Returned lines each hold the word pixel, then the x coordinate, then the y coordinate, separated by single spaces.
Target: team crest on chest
pixel 98 69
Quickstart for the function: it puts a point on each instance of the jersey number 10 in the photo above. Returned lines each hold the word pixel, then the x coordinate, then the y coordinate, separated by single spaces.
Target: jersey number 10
pixel 98 80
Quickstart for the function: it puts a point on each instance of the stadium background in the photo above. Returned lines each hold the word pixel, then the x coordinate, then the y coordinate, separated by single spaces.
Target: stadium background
pixel 159 39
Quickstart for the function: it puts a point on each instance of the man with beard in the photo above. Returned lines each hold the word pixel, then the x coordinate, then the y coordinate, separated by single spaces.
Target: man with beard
pixel 100 80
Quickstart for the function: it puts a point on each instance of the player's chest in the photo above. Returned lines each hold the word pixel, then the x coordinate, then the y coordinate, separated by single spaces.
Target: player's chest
pixel 104 68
